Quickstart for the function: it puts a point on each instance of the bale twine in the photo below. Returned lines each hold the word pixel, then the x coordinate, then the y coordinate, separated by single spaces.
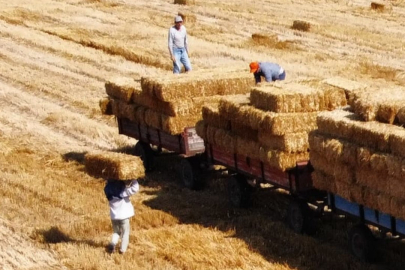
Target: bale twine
pixel 113 165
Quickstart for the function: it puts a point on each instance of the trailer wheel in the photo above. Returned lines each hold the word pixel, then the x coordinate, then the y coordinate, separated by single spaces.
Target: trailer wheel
pixel 239 191
pixel 186 174
pixel 145 152
pixel 298 217
pixel 361 243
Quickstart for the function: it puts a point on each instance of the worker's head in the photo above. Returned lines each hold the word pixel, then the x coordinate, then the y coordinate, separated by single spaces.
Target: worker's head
pixel 254 67
pixel 178 21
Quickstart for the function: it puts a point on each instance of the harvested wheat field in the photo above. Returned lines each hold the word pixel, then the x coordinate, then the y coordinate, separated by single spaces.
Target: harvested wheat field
pixel 57 55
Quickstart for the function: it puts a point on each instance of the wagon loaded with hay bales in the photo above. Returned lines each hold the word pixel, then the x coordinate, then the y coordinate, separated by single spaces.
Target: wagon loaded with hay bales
pixel 358 157
pixel 263 135
pixel 162 112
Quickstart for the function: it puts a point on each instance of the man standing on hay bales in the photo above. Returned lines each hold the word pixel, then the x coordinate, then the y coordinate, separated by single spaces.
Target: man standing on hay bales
pixel 270 71
pixel 121 210
pixel 178 48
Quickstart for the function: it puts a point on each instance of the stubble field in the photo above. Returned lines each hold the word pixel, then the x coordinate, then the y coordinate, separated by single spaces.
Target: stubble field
pixel 55 56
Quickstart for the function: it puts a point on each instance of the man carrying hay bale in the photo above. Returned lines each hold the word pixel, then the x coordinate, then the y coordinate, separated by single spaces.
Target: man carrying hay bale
pixel 178 46
pixel 121 210
pixel 120 170
pixel 270 71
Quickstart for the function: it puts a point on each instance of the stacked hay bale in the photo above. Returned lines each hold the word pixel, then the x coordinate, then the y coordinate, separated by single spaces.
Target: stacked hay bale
pixel 114 165
pixel 361 159
pixel 172 102
pixel 270 124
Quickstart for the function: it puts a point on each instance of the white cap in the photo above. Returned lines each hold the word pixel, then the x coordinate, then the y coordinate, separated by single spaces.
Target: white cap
pixel 178 19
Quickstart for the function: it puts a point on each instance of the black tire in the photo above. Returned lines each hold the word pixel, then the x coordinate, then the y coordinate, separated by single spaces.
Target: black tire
pixel 145 152
pixel 239 191
pixel 298 217
pixel 187 175
pixel 362 243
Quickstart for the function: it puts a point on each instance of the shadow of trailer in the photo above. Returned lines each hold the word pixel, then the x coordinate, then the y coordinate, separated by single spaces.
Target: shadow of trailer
pixel 297 181
pixel 362 242
pixel 187 145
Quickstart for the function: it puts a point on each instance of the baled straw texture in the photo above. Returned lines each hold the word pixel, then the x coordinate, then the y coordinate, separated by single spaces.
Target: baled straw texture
pixel 290 143
pixel 113 165
pixel 401 116
pixel 106 106
pixel 122 88
pixel 379 136
pixel 350 87
pixel 294 97
pixel 176 87
pixel 381 105
pixel 281 160
pixel 301 25
pixel 211 116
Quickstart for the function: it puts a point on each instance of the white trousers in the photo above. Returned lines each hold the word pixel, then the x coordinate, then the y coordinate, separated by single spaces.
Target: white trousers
pixel 121 229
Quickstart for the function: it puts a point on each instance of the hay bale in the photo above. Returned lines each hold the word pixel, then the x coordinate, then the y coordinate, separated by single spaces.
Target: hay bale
pixel 176 125
pixel 174 87
pixel 112 165
pixel 293 97
pixel 201 129
pixel 401 116
pixel 225 140
pixel 122 88
pixel 188 18
pixel 211 116
pixel 350 87
pixel 338 170
pixel 323 181
pixel 333 149
pixel 153 119
pixel 246 147
pixel 291 142
pixel 184 2
pixel 106 106
pixel 264 39
pixel 281 160
pixel 381 104
pixel 284 123
pixel 243 131
pixel 377 6
pixel 122 109
pixel 375 135
pixel 301 25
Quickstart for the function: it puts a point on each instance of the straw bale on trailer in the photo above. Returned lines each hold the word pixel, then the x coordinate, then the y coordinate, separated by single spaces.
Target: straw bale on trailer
pixel 242 130
pixel 323 181
pixel 229 105
pixel 153 119
pixel 211 116
pixel 332 149
pixel 225 139
pixel 201 129
pixel 114 165
pixel 210 134
pixel 140 115
pixel 294 97
pixel 401 116
pixel 106 106
pixel 290 142
pixel 284 123
pixel 375 135
pixel 121 88
pixel 350 87
pixel 176 125
pixel 175 87
pixel 124 110
pixel 246 147
pixel 280 159
pixel 381 105
pixel 338 170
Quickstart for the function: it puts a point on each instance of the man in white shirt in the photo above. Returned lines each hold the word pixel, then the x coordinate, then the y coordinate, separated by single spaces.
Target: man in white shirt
pixel 177 43
pixel 121 210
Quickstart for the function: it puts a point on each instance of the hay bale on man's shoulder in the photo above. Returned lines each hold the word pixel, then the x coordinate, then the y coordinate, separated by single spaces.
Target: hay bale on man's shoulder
pixel 122 88
pixel 113 165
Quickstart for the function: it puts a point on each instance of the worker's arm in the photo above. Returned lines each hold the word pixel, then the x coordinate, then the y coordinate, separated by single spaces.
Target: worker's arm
pixel 131 190
pixel 170 44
